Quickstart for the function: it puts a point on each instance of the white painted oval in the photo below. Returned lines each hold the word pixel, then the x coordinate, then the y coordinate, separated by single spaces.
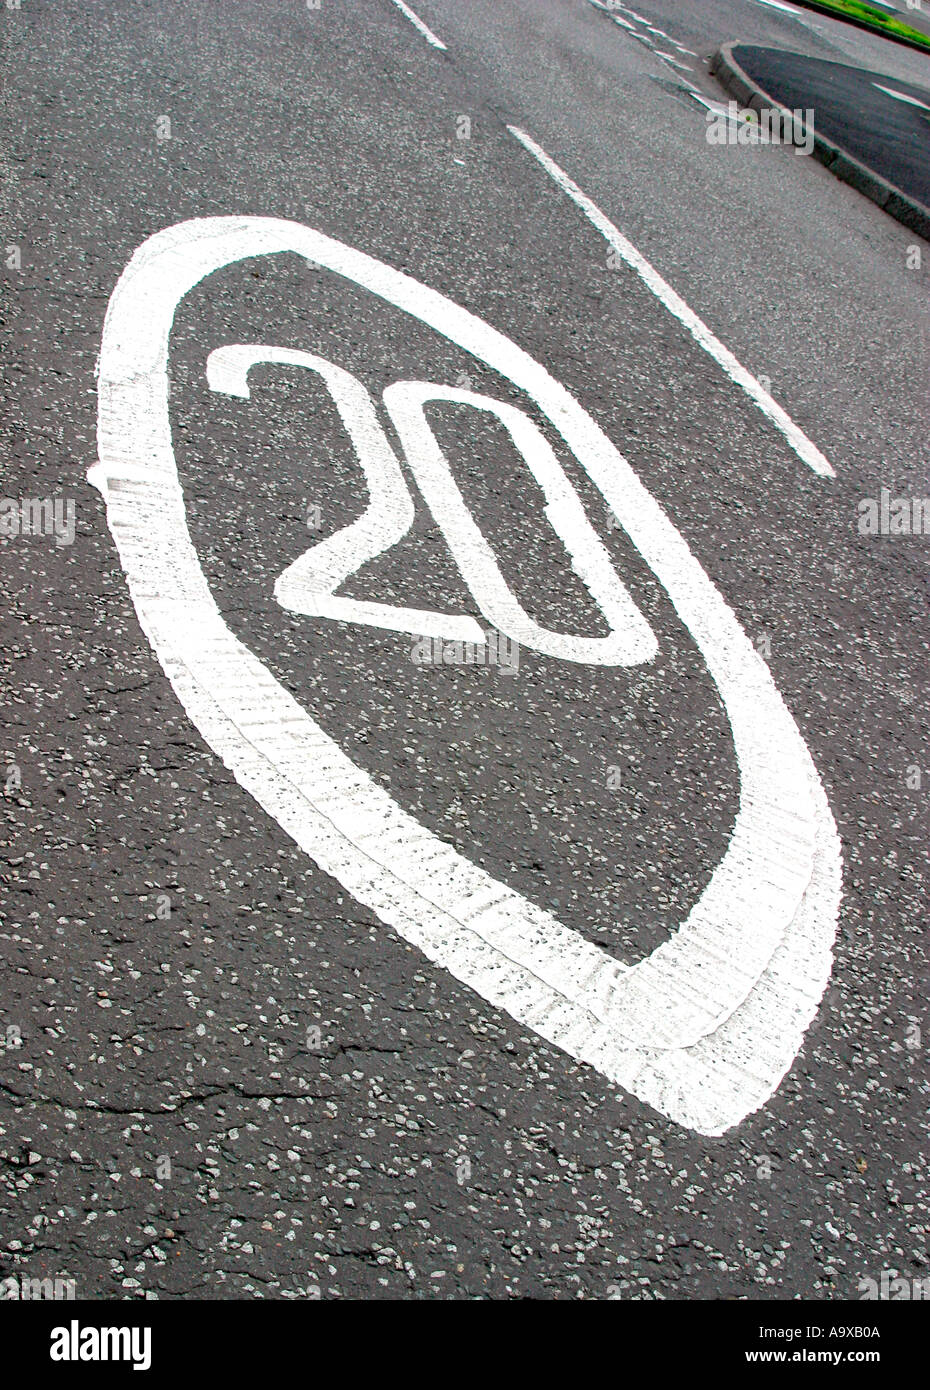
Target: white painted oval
pixel 705 1027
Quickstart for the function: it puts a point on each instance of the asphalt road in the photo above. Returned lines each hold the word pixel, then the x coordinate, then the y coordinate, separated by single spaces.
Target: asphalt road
pixel 886 127
pixel 223 1076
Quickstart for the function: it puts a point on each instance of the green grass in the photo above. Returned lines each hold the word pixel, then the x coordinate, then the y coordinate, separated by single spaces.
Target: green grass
pixel 878 20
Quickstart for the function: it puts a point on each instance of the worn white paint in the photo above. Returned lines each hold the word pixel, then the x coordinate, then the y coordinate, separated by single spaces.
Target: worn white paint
pixel 611 9
pixel 901 96
pixel 631 639
pixel 705 1027
pixel 802 446
pixel 780 5
pixel 418 24
pixel 308 585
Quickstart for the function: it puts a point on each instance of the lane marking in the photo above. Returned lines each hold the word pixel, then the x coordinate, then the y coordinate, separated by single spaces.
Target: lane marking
pixel 641 19
pixel 901 96
pixel 644 38
pixel 720 108
pixel 418 24
pixel 805 449
pixel 675 62
pixel 703 1029
pixel 780 5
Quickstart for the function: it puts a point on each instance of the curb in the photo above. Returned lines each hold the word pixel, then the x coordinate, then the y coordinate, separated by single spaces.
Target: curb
pixel 891 199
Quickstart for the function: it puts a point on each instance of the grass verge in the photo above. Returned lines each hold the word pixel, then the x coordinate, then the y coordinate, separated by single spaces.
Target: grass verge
pixel 858 12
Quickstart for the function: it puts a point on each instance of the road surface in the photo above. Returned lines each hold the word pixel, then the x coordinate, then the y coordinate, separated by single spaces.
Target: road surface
pixel 230 1072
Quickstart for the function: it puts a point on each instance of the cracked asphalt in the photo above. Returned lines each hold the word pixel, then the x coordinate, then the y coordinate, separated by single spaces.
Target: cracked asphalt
pixel 221 1077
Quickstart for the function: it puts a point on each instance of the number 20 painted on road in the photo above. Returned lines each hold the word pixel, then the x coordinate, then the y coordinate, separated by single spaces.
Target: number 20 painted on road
pixel 307 585
pixel 705 1027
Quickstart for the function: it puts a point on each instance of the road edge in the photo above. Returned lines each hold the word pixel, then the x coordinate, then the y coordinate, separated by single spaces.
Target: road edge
pixel 891 199
pixel 866 26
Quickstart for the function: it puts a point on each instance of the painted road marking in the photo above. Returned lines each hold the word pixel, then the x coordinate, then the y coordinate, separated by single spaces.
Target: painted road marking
pixel 644 38
pixel 720 108
pixel 901 96
pixel 308 585
pixel 704 1028
pixel 630 640
pixel 780 5
pixel 675 62
pixel 802 446
pixel 612 9
pixel 418 24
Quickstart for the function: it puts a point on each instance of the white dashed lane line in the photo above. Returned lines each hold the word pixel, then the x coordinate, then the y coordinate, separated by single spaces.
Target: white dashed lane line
pixel 418 24
pixel 804 17
pixel 802 446
pixel 798 440
pixel 633 23
pixel 779 5
pixel 901 96
pixel 675 62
